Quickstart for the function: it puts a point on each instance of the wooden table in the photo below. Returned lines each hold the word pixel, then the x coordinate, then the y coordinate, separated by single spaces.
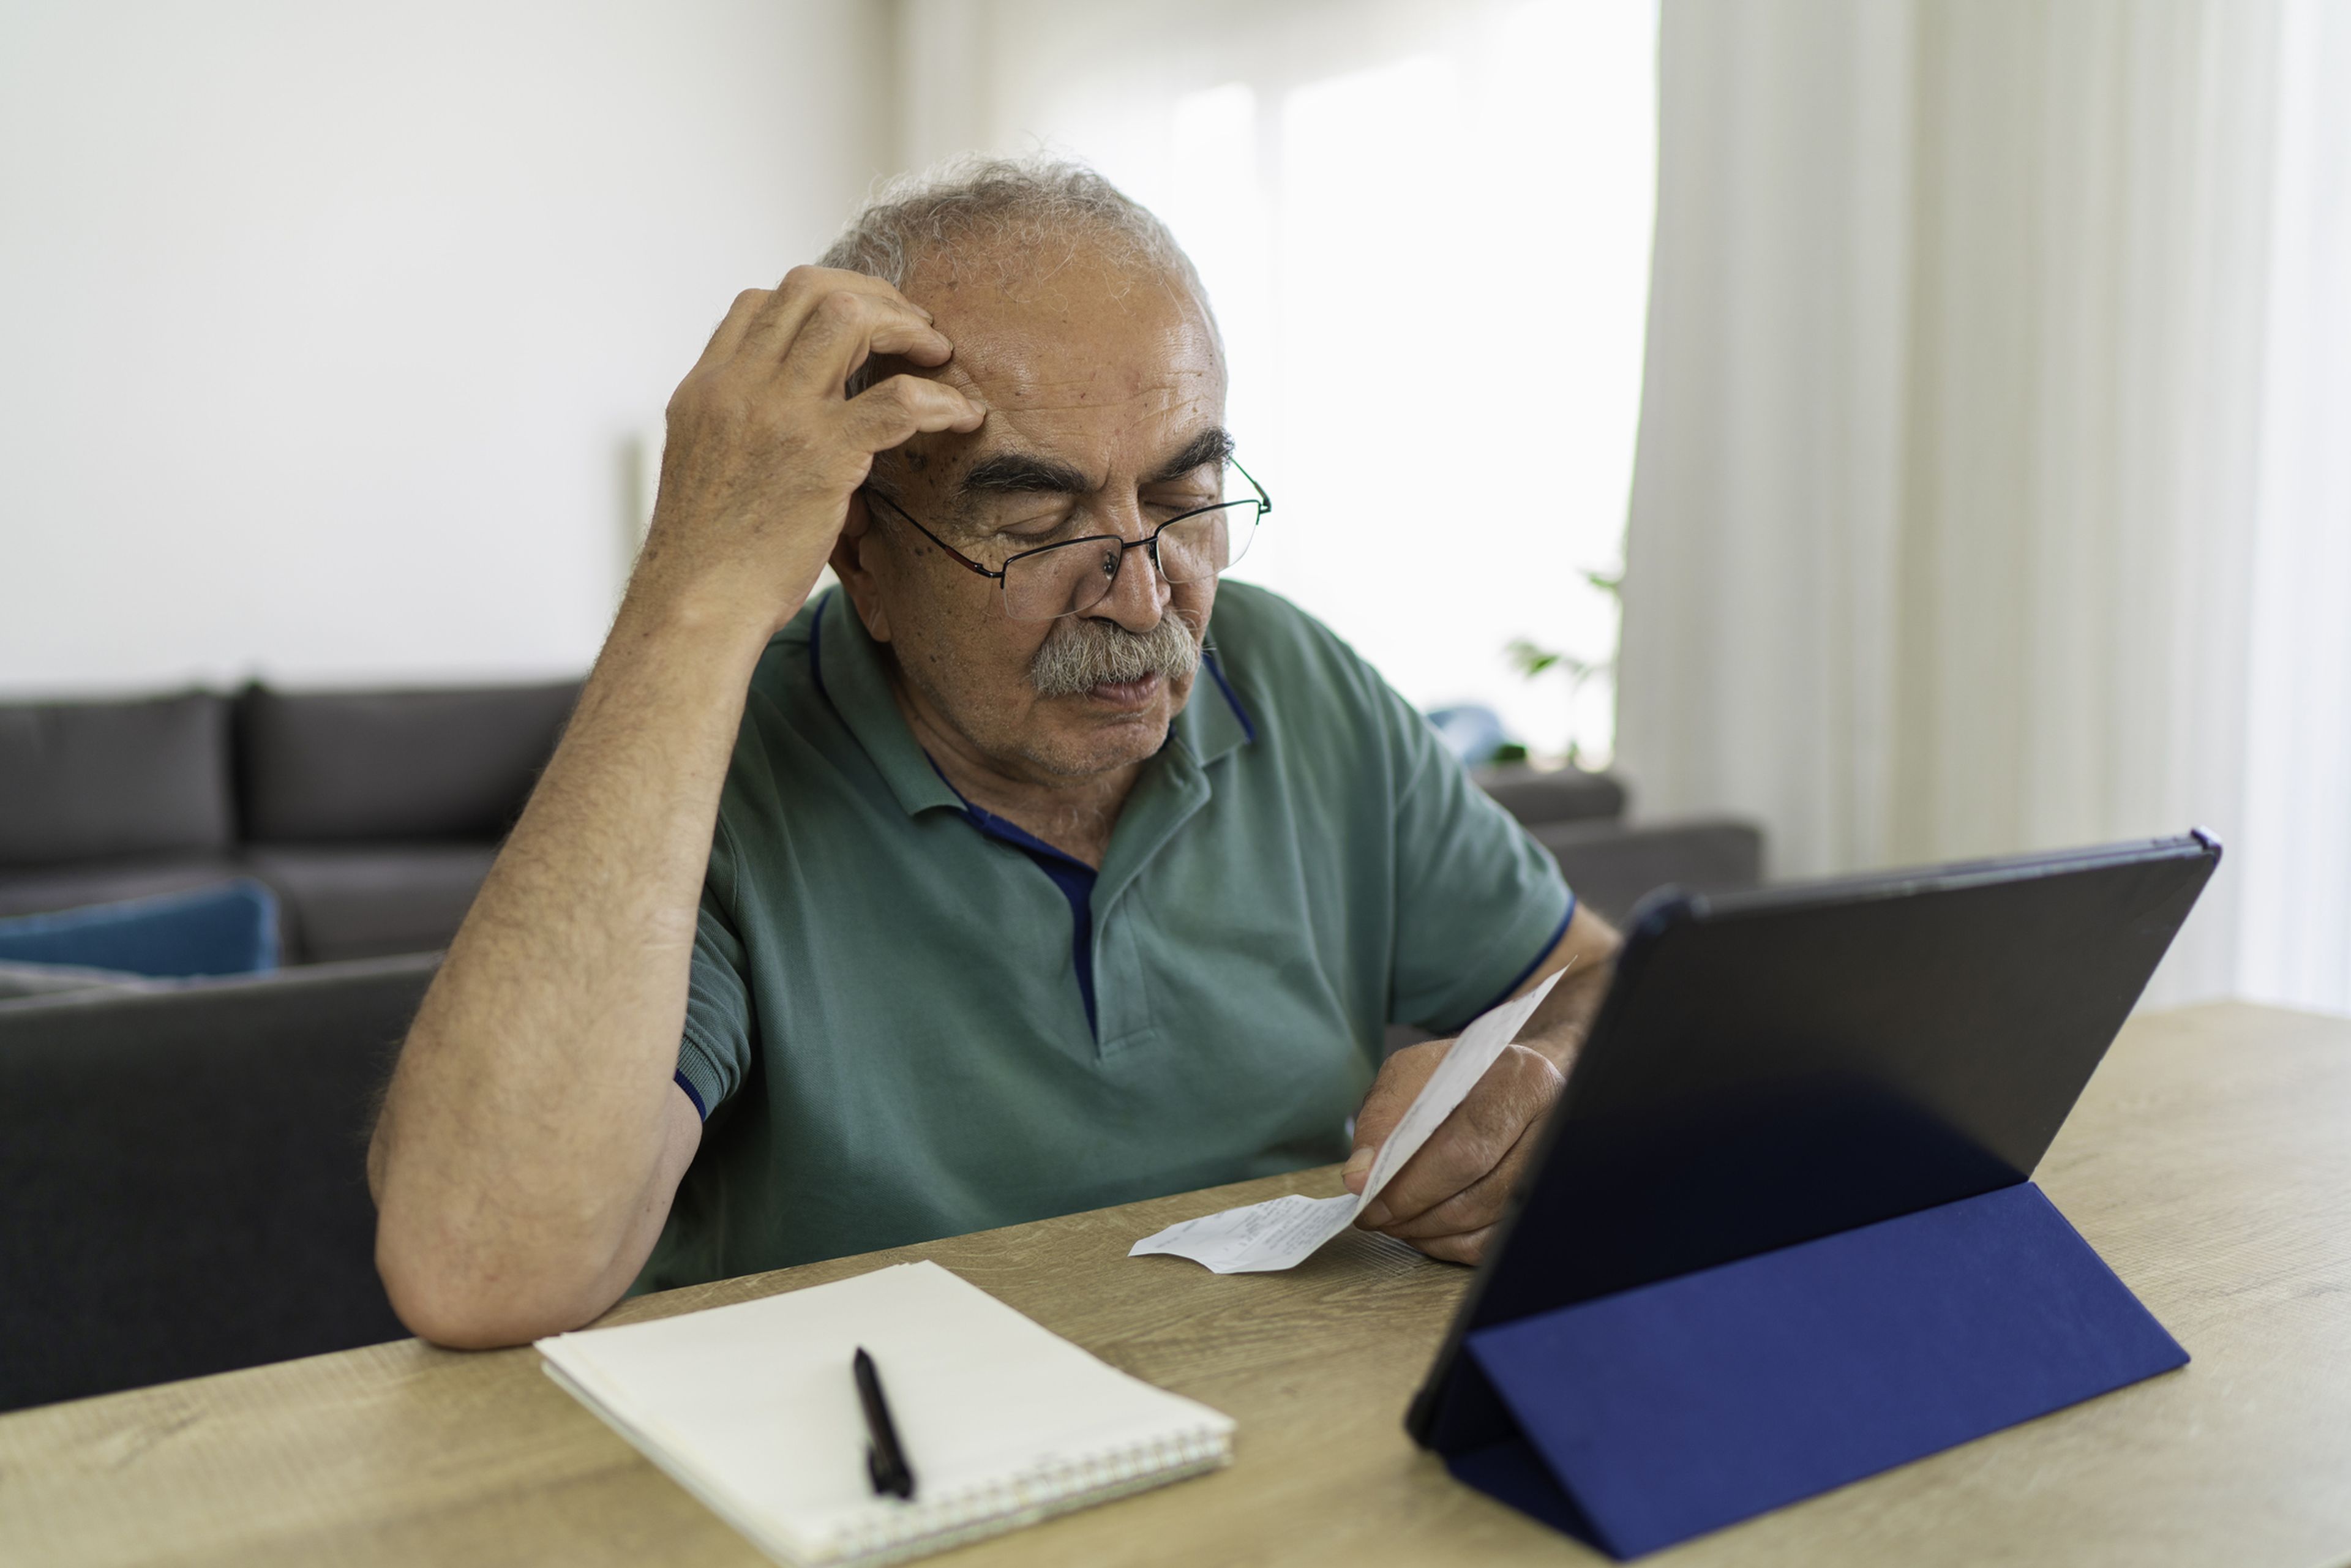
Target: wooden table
pixel 2209 1163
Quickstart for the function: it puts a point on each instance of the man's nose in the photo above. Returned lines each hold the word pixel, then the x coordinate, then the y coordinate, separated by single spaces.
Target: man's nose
pixel 1138 595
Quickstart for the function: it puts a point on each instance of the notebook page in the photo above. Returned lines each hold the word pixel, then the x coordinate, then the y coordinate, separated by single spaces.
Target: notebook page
pixel 994 1412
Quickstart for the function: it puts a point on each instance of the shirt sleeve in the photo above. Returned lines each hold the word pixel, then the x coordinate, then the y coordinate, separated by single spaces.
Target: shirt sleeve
pixel 1478 903
pixel 714 1052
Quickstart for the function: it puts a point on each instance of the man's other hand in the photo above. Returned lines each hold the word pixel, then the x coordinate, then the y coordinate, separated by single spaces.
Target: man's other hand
pixel 1447 1197
pixel 766 447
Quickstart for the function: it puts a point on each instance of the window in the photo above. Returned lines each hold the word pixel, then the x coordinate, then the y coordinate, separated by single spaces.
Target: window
pixel 1426 230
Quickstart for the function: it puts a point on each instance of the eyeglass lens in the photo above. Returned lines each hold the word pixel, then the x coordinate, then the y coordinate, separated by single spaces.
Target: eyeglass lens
pixel 1071 578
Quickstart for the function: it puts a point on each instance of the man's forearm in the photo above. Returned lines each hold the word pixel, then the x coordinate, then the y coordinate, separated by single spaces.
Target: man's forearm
pixel 531 1115
pixel 1587 950
pixel 531 1140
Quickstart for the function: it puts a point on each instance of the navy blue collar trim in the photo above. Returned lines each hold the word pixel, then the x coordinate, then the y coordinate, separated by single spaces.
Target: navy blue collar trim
pixel 1003 827
pixel 1248 727
pixel 1072 876
pixel 816 648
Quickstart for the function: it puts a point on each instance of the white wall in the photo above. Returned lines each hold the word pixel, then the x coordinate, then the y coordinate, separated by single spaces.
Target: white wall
pixel 326 330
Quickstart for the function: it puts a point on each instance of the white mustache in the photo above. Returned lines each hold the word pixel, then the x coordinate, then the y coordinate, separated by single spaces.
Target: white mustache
pixel 1082 653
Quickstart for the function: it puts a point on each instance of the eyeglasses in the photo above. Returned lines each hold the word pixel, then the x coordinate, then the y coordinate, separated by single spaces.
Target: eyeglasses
pixel 1073 576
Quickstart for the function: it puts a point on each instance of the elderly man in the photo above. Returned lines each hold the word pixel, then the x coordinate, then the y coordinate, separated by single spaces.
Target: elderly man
pixel 993 884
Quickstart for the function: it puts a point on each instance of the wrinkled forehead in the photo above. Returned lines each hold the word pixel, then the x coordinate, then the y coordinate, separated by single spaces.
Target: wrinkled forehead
pixel 1067 332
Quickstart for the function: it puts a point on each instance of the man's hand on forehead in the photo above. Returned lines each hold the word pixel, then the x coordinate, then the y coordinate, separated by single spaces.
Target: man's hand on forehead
pixel 766 446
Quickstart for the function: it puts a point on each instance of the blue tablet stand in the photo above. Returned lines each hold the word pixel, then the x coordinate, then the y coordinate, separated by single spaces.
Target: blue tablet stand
pixel 1643 1418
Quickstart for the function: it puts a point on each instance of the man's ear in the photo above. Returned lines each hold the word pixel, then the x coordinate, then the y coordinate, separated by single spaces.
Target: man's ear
pixel 856 554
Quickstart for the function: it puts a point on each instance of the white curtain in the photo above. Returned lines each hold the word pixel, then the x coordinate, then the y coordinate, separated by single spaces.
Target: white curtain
pixel 1992 489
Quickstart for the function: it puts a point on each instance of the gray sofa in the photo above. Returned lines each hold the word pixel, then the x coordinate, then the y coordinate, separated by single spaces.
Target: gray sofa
pixel 181 1183
pixel 373 815
pixel 1610 862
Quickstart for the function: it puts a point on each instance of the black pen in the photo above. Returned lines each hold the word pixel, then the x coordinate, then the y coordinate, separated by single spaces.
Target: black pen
pixel 885 1462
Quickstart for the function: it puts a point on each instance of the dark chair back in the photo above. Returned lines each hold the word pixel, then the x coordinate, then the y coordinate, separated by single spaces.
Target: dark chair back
pixel 182 1176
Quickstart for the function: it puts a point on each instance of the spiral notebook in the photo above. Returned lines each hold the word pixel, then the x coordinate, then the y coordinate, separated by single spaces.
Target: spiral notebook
pixel 752 1408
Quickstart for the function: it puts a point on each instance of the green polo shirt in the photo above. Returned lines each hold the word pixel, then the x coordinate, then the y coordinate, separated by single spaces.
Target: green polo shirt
pixel 909 1019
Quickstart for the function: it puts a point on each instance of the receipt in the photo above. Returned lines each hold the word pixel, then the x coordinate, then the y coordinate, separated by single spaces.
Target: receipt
pixel 1283 1232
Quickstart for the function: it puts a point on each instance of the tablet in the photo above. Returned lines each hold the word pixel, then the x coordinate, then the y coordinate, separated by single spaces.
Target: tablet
pixel 1777 1065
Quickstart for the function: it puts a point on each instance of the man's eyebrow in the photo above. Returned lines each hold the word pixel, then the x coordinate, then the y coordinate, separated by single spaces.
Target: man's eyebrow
pixel 1208 446
pixel 1022 474
pixel 1027 473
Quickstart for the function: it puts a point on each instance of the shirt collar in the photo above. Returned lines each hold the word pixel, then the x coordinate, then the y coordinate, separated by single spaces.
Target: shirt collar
pixel 1214 722
pixel 849 669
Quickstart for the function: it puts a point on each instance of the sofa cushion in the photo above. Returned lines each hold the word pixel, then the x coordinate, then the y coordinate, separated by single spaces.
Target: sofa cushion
pixel 356 767
pixel 1539 795
pixel 19 981
pixel 364 901
pixel 85 780
pixel 182 1176
pixel 230 929
pixel 1612 867
pixel 39 889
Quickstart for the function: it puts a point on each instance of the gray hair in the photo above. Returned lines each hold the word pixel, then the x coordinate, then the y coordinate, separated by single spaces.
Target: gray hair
pixel 1014 207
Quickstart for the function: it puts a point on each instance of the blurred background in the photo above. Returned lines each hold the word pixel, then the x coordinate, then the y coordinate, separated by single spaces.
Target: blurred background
pixel 1921 428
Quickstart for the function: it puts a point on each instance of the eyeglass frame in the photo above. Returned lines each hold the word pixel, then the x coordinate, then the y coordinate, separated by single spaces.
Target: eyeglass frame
pixel 1264 505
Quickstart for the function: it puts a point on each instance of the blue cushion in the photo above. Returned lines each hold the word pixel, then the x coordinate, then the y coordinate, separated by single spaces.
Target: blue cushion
pixel 229 929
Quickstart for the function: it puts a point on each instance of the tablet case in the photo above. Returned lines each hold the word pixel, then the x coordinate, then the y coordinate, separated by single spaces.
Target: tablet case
pixel 1781 1234
pixel 1637 1420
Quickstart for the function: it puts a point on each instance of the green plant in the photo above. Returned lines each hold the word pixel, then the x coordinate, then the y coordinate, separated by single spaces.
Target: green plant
pixel 1534 661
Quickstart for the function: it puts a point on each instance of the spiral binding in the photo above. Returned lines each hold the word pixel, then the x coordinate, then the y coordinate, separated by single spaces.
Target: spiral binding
pixel 1057 1486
